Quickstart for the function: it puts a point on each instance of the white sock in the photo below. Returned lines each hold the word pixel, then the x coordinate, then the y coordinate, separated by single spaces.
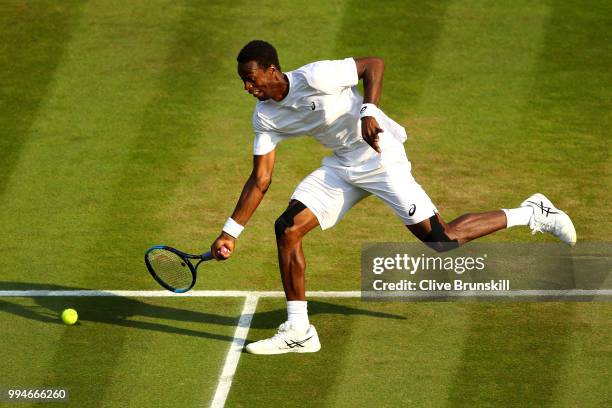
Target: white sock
pixel 297 314
pixel 518 216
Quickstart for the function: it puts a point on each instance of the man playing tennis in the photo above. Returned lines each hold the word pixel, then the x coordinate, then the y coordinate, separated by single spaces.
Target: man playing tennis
pixel 321 99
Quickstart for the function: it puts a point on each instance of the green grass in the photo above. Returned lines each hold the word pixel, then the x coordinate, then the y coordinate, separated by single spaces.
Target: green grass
pixel 436 354
pixel 121 352
pixel 124 124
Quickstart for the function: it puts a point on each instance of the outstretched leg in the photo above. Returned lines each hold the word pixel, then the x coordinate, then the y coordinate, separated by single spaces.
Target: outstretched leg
pixel 537 212
pixel 442 236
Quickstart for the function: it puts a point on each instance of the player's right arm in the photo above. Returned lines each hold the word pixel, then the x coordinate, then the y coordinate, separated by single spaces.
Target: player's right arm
pixel 252 193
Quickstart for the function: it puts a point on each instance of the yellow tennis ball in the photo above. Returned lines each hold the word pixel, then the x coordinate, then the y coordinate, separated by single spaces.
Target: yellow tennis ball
pixel 70 316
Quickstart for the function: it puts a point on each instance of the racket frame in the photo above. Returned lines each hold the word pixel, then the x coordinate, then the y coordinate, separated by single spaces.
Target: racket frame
pixel 207 256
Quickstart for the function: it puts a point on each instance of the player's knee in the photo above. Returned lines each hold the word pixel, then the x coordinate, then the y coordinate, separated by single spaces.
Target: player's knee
pixel 438 238
pixel 284 226
pixel 286 234
pixel 289 237
pixel 280 226
pixel 442 246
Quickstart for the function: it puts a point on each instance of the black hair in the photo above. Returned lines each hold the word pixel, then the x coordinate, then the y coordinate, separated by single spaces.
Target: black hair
pixel 261 52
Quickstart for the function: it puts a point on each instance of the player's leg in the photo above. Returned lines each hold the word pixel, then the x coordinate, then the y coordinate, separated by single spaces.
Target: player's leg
pixel 396 186
pixel 536 212
pixel 290 228
pixel 322 198
pixel 296 334
pixel 442 236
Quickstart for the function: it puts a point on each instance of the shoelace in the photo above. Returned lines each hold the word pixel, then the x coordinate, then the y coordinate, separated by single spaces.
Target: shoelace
pixel 548 225
pixel 540 227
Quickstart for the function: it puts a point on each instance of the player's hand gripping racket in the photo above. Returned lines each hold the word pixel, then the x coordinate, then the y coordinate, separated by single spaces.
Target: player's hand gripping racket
pixel 172 268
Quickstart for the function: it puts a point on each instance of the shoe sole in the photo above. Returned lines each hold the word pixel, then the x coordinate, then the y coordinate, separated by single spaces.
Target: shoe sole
pixel 283 351
pixel 313 346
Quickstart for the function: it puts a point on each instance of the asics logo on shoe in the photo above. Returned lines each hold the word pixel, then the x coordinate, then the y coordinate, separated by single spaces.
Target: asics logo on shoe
pixel 545 210
pixel 294 343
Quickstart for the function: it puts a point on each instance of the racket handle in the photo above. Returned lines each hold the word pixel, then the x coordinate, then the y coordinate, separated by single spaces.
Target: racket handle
pixel 207 256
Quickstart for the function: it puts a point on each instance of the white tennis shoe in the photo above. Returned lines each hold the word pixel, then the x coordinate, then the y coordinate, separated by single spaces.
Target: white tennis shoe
pixel 287 340
pixel 547 218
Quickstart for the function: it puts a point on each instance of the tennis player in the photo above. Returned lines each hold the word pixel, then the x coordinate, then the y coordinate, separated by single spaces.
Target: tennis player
pixel 321 99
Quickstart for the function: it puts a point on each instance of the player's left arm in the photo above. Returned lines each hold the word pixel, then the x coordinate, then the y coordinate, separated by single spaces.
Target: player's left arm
pixel 370 70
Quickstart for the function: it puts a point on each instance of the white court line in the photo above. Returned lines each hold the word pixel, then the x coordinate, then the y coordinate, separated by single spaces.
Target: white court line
pixel 489 294
pixel 235 350
pixel 250 304
pixel 165 293
pixel 326 294
pixel 124 293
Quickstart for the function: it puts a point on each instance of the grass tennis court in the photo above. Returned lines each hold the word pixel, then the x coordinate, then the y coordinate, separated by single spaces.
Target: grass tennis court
pixel 169 352
pixel 124 124
pixel 123 352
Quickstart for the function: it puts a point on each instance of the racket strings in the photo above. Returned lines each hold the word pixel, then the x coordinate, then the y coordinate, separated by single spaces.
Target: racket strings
pixel 170 268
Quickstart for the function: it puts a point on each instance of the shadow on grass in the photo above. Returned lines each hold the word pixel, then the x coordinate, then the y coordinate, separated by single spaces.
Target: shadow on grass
pixel 272 319
pixel 118 311
pixel 112 310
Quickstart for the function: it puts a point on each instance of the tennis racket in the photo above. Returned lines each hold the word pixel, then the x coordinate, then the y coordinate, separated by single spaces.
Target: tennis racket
pixel 173 269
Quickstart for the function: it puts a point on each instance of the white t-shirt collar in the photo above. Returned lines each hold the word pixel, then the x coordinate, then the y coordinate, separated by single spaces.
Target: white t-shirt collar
pixel 288 99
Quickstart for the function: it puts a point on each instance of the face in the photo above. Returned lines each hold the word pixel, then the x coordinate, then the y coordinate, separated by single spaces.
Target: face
pixel 257 81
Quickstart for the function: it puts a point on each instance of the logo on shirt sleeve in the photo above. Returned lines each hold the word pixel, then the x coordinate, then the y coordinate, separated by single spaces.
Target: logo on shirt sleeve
pixel 312 105
pixel 412 210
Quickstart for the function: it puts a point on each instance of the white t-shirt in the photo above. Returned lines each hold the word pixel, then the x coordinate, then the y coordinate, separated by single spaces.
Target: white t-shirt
pixel 323 102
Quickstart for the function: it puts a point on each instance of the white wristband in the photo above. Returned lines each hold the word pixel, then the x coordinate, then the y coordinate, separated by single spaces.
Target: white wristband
pixel 232 228
pixel 367 109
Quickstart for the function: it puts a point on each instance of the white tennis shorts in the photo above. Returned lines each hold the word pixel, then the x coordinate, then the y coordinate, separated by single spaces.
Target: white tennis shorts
pixel 330 191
